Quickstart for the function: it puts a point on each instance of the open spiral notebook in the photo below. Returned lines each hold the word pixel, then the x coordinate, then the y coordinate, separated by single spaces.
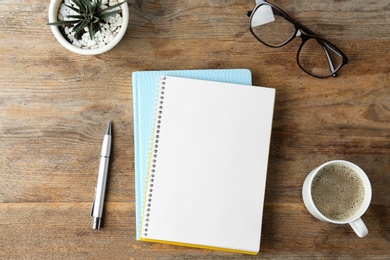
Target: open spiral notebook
pixel 208 165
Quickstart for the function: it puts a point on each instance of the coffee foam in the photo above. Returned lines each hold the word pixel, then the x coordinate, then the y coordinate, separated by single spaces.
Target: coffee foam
pixel 338 192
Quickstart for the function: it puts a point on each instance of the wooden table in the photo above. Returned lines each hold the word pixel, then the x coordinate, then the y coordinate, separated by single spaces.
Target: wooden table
pixel 54 106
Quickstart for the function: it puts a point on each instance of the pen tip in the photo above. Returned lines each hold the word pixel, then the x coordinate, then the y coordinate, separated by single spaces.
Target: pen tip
pixel 108 131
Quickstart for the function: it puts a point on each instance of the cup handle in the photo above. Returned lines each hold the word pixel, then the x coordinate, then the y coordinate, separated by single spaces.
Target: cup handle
pixel 359 227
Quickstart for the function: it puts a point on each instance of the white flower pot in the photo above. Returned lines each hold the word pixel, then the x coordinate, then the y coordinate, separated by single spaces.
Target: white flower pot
pixel 53 13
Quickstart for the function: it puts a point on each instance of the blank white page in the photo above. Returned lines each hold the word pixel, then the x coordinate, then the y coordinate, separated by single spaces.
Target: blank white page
pixel 210 155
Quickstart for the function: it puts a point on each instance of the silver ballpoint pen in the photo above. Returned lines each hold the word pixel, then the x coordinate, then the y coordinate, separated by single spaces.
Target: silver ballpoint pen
pixel 98 201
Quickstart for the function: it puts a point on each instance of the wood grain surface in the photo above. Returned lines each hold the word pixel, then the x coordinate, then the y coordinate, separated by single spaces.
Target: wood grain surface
pixel 54 106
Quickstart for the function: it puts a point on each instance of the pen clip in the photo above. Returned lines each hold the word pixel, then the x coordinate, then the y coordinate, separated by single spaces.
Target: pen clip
pixel 93 203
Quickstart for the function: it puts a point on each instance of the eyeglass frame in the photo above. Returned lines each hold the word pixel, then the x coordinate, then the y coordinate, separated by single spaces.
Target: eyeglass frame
pixel 305 34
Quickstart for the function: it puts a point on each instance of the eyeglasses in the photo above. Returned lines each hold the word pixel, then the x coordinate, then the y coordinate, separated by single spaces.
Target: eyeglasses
pixel 273 27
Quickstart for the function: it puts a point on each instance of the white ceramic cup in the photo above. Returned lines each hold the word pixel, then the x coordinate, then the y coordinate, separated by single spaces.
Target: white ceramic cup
pixel 355 221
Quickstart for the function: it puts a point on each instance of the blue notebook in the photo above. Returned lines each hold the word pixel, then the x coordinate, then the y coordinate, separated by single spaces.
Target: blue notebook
pixel 145 89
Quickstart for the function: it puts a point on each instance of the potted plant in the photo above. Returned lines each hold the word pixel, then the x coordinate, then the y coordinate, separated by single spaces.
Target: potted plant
pixel 88 27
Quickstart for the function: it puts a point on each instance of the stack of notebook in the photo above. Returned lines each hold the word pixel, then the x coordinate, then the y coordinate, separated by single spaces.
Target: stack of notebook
pixel 201 154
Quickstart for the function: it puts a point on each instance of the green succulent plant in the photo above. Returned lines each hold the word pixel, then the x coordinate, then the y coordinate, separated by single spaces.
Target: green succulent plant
pixel 89 15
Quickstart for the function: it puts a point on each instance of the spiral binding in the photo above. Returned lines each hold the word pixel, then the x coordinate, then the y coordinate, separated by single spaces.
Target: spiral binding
pixel 149 195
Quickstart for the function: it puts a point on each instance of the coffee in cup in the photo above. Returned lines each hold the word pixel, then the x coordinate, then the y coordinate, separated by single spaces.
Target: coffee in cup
pixel 338 192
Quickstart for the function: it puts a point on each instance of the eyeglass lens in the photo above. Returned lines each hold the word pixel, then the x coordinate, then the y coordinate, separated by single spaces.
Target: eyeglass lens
pixel 274 28
pixel 271 27
pixel 317 58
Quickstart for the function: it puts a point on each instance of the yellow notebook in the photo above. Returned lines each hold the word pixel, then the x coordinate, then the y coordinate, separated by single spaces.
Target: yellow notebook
pixel 208 165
